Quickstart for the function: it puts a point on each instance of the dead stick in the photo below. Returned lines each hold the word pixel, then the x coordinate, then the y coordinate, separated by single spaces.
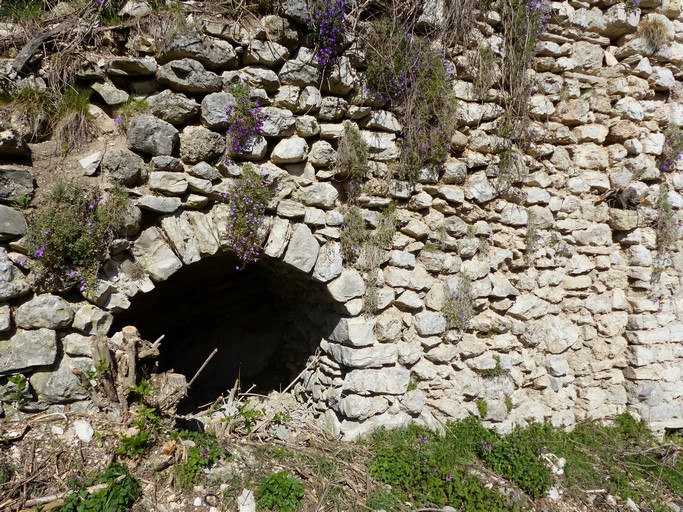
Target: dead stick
pixel 308 367
pixel 215 351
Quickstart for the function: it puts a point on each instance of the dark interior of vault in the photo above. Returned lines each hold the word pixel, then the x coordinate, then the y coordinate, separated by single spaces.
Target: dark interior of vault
pixel 266 320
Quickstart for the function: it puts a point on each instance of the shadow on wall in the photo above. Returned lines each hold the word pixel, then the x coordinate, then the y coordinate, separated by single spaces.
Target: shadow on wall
pixel 266 320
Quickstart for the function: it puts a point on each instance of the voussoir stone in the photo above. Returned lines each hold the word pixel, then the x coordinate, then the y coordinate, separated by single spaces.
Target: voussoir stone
pixel 347 286
pixel 28 349
pixel 188 75
pixel 329 264
pixel 151 135
pixel 212 53
pixel 356 332
pixel 155 256
pixel 46 310
pixel 174 108
pixel 302 251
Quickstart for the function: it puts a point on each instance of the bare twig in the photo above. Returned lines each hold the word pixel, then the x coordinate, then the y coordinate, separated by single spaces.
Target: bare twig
pixel 201 368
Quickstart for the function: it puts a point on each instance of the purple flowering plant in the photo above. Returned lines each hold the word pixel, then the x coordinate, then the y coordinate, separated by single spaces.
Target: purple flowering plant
pixel 672 152
pixel 327 21
pixel 69 234
pixel 247 202
pixel 244 120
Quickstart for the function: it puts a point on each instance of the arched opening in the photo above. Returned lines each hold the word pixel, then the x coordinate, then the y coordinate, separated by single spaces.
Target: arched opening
pixel 266 320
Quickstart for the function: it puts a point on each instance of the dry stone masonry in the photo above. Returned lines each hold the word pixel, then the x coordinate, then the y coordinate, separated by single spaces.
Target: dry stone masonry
pixel 568 323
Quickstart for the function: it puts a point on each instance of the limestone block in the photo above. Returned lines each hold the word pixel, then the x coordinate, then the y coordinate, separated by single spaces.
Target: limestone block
pixel 154 255
pixel 212 53
pixel 62 385
pixel 266 53
pixel 92 320
pixel 322 195
pixel 329 263
pixel 361 408
pixel 291 150
pixel 151 135
pixel 347 286
pixel 366 357
pixel 389 381
pixel 355 332
pixel 47 310
pixel 554 333
pixel 28 349
pixel 303 249
pixel 168 183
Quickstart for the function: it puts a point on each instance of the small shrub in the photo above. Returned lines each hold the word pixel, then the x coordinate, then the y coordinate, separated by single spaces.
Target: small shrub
pixel 666 231
pixel 352 154
pixel 205 452
pixel 280 492
pixel 364 248
pixel 122 492
pixel 248 200
pixel 459 306
pixel 510 170
pixel 70 231
pixel 673 149
pixel 326 19
pixel 243 120
pixel 653 31
pixel 403 69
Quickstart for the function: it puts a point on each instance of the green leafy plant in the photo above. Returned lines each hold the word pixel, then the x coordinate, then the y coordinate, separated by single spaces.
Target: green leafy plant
pixel 122 491
pixel 248 415
pixel 22 10
pixel 247 200
pixel 203 451
pixel 135 445
pixel 70 231
pixel 17 395
pixel 280 491
pixel 459 305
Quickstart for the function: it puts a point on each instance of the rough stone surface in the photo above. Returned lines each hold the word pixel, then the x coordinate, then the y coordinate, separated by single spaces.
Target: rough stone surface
pixel 174 108
pixel 151 135
pixel 188 75
pixel 303 249
pixel 155 256
pixel 28 349
pixel 49 311
pixel 123 166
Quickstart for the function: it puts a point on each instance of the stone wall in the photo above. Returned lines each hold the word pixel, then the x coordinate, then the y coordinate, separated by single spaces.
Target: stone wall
pixel 568 324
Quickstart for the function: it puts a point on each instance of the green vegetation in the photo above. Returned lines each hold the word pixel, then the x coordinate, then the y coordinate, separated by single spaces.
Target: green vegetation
pixel 666 231
pixel 22 10
pixel 459 306
pixel 248 200
pixel 19 389
pixel 352 159
pixel 70 231
pixel 482 407
pixel 203 451
pixel 403 69
pixel 280 492
pixel 122 491
pixel 672 151
pixel 131 108
pixel 532 240
pixel 71 122
pixel 364 248
pixel 428 469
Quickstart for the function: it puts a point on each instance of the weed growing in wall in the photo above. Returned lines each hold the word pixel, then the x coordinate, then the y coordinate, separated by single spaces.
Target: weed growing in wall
pixel 130 109
pixel 510 170
pixel 326 19
pixel 247 201
pixel 654 32
pixel 352 160
pixel 459 306
pixel 70 231
pixel 532 240
pixel 403 69
pixel 364 248
pixel 243 120
pixel 673 149
pixel 666 231
pixel 523 22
